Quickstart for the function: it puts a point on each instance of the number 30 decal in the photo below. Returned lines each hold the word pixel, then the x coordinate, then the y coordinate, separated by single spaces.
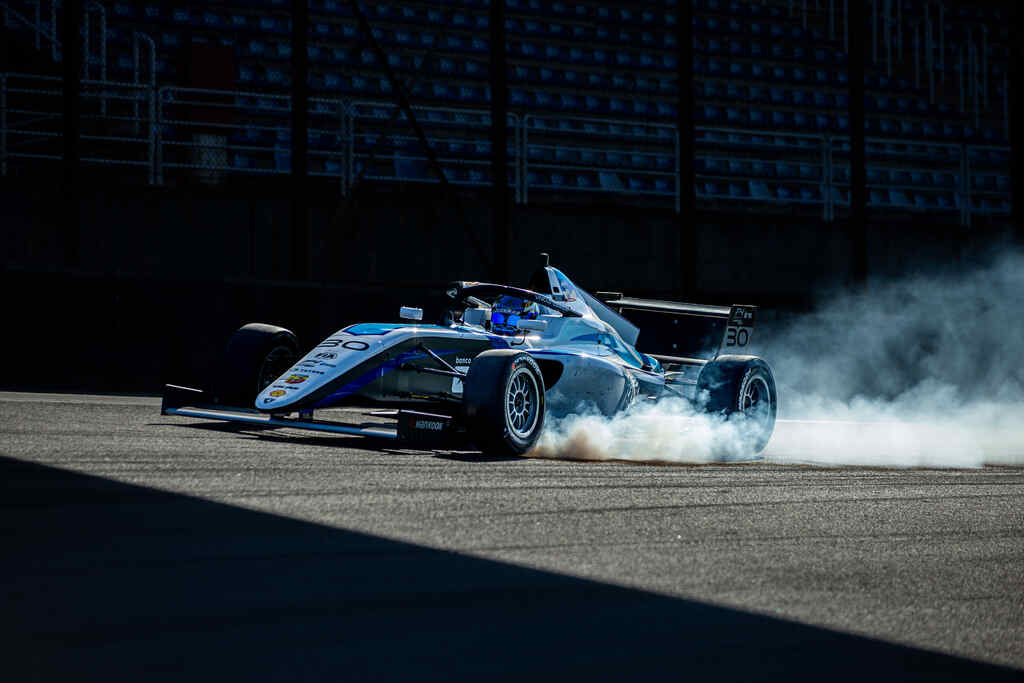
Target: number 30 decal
pixel 737 336
pixel 351 344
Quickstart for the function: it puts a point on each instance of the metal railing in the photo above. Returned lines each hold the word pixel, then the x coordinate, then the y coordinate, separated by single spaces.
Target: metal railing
pixel 568 154
pixel 382 146
pixel 177 133
pixel 117 123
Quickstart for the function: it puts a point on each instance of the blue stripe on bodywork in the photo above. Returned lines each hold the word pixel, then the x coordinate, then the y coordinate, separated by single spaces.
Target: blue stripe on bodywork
pixel 388 366
pixel 372 329
pixel 375 374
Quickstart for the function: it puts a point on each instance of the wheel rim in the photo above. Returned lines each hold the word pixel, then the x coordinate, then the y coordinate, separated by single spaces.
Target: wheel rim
pixel 274 365
pixel 756 401
pixel 522 403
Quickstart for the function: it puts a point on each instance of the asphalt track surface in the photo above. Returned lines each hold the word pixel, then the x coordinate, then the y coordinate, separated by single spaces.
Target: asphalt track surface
pixel 142 547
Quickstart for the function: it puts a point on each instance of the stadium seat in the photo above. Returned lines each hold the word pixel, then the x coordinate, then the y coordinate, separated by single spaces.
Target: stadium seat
pixel 609 181
pixel 922 202
pixel 639 184
pixel 738 167
pixel 899 198
pixel 785 170
pixel 810 194
pixel 808 172
pixel 781 120
pixel 762 169
pixel 759 190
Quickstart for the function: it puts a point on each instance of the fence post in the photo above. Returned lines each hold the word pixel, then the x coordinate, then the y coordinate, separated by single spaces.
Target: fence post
pixel 138 37
pixel 87 48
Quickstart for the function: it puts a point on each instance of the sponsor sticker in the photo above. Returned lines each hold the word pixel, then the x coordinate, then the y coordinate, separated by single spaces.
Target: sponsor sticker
pixel 456 381
pixel 430 424
pixel 277 393
pixel 307 364
pixel 296 379
pixel 326 355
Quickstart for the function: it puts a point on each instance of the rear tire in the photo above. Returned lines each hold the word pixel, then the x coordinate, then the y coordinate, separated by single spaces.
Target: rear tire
pixel 254 357
pixel 503 402
pixel 742 385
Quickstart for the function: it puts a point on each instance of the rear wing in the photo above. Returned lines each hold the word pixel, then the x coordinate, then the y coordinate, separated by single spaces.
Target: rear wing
pixel 682 332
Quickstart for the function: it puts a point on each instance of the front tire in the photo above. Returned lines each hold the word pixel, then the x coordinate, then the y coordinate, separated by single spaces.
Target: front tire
pixel 255 356
pixel 742 386
pixel 503 402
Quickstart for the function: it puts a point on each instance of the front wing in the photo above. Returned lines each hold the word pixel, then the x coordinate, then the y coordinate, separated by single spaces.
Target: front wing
pixel 410 425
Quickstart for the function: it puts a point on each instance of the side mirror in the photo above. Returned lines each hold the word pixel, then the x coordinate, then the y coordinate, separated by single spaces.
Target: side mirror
pixel 409 313
pixel 532 325
pixel 475 316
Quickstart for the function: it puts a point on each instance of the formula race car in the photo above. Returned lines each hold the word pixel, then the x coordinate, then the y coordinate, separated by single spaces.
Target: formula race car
pixel 501 359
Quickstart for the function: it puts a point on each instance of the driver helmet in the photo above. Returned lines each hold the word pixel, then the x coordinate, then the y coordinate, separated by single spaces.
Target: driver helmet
pixel 509 310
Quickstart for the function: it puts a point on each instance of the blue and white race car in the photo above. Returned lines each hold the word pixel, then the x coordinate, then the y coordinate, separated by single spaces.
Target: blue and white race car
pixel 501 360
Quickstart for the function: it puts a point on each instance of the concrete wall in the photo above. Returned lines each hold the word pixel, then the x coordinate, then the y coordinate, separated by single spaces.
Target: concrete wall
pixel 164 279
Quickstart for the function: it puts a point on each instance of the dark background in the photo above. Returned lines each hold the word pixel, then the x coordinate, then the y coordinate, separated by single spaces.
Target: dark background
pixel 132 281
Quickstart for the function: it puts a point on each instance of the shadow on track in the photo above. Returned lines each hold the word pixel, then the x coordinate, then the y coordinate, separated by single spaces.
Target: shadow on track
pixel 366 443
pixel 109 581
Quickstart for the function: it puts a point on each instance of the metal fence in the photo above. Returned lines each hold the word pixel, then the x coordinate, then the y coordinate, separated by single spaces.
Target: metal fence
pixel 187 133
pixel 117 122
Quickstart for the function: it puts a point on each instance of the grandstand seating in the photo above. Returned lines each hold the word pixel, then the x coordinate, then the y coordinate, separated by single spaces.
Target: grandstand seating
pixel 756 68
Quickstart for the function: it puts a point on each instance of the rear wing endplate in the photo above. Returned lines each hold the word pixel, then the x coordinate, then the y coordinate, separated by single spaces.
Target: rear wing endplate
pixel 738 319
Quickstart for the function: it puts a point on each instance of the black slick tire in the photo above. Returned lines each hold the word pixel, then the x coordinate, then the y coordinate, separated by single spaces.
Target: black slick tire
pixel 732 385
pixel 503 402
pixel 255 356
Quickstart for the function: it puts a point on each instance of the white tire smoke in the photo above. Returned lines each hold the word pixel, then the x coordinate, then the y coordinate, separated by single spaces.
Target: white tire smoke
pixel 926 371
